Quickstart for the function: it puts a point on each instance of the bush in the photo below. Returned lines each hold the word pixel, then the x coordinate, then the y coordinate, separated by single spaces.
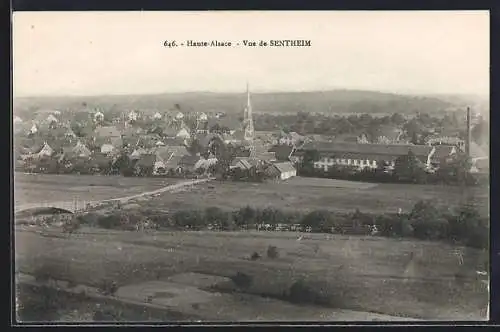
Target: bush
pixel 111 221
pixel 242 280
pixel 108 287
pixel 300 293
pixel 255 256
pixel 272 252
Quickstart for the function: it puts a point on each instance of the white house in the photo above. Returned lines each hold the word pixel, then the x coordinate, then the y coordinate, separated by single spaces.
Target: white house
pixel 81 150
pixel 17 120
pixel 98 117
pixel 183 133
pixel 290 139
pixel 179 116
pixel 157 116
pixel 202 117
pixel 46 151
pixel 133 116
pixel 281 171
pixel 107 148
pixel 52 119
pixel 34 129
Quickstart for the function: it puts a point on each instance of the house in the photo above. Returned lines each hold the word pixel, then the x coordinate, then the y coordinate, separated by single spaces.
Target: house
pixel 291 139
pixel 100 162
pixel 388 135
pixel 281 170
pixel 80 150
pixel 34 129
pixel 70 134
pixel 145 164
pixel 282 152
pixel 202 117
pixel 157 116
pixel 179 116
pixel 17 120
pixel 109 135
pixel 107 149
pixel 242 163
pixel 442 154
pixel 172 164
pixel 362 155
pixel 46 151
pixel 51 119
pixel 137 153
pixel 133 116
pixel 445 140
pixel 98 117
pixel 351 138
pixel 183 133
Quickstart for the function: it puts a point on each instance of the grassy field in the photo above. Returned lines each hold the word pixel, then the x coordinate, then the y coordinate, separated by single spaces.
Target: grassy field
pixel 312 193
pixel 39 188
pixel 359 273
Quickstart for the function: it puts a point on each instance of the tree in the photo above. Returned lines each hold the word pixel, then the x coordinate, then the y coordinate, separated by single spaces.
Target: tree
pixel 195 147
pixel 408 168
pixel 310 156
pixel 317 220
pixel 427 222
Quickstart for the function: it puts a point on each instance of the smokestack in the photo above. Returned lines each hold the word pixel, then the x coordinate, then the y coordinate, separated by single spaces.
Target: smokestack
pixel 468 138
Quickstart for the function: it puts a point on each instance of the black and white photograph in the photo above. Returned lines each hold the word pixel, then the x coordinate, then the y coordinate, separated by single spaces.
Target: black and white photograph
pixel 251 166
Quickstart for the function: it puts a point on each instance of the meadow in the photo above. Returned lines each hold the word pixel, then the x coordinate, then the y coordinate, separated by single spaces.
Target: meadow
pixel 406 278
pixel 312 194
pixel 40 188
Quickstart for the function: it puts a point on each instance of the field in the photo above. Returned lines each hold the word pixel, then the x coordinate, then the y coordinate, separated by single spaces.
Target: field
pixel 41 188
pixel 358 273
pixel 313 193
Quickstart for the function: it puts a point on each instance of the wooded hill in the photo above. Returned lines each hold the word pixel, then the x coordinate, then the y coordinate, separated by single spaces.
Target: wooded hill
pixel 326 102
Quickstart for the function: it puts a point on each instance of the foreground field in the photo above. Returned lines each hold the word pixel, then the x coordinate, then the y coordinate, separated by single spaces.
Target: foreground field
pixel 40 188
pixel 312 193
pixel 395 277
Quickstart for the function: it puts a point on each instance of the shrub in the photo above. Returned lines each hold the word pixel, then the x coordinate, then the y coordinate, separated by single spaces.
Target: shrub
pixel 110 221
pixel 108 287
pixel 255 256
pixel 317 219
pixel 300 292
pixel 272 252
pixel 242 280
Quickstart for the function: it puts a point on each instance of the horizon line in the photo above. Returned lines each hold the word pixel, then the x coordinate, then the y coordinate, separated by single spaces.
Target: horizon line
pixel 257 91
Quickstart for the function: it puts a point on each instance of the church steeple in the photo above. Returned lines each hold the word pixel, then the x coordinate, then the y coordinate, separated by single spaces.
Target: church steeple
pixel 248 119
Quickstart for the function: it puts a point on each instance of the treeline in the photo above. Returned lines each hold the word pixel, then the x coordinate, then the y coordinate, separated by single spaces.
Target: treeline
pixel 463 226
pixel 416 128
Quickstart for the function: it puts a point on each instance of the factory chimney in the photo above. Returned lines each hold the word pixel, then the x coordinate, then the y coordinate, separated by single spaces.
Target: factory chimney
pixel 468 135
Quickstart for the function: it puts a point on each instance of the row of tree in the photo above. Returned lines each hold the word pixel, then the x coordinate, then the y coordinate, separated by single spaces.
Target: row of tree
pixel 415 128
pixel 463 225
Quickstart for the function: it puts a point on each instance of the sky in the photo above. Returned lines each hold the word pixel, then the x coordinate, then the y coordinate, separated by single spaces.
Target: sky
pixel 101 53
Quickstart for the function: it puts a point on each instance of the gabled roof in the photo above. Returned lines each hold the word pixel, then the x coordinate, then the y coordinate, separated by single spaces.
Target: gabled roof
pixel 443 151
pixel 173 162
pixel 108 131
pixel 245 162
pixel 284 167
pixel 146 160
pixel 370 149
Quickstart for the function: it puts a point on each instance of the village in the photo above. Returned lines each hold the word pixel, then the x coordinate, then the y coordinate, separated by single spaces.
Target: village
pixel 177 143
